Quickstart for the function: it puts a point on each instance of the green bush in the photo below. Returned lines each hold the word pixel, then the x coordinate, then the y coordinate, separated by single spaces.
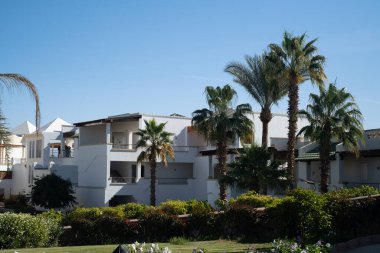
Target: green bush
pixel 201 224
pixel 173 207
pixel 135 210
pixel 303 212
pixel 253 199
pixel 27 231
pixel 195 207
pixel 19 204
pixel 160 226
pixel 105 225
pixel 244 222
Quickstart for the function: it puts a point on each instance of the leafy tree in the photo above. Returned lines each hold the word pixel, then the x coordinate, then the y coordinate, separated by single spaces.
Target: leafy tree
pixel 222 124
pixel 257 80
pixel 156 143
pixel 51 191
pixel 296 61
pixel 333 115
pixel 253 171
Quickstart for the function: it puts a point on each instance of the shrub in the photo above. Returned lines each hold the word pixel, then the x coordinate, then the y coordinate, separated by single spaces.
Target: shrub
pixel 253 199
pixel 26 231
pixel 243 222
pixel 304 212
pixel 174 207
pixel 52 191
pixel 195 206
pixel 19 204
pixel 201 224
pixel 160 226
pixel 135 210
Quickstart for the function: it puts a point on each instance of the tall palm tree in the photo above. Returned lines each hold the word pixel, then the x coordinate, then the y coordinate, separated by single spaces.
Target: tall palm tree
pixel 333 115
pixel 222 124
pixel 16 81
pixel 296 61
pixel 255 78
pixel 156 144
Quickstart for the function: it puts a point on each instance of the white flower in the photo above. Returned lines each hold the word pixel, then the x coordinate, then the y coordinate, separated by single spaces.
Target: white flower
pixel 328 245
pixel 150 250
pixel 303 251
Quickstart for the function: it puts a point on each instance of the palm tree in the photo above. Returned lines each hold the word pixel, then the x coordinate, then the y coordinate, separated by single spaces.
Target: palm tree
pixel 222 124
pixel 16 81
pixel 255 79
pixel 296 61
pixel 333 115
pixel 156 143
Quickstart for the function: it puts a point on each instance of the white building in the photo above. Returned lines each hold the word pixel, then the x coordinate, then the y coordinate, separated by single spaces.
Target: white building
pixel 99 158
pixel 346 170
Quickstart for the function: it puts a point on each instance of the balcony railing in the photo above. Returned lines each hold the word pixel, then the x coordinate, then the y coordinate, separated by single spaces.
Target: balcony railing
pixel 124 146
pixel 123 180
pixel 161 181
pixel 12 161
pixel 66 153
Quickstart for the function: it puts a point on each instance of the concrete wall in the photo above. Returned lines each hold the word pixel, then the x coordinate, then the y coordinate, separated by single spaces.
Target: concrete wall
pixel 20 173
pixel 6 185
pixel 93 165
pixel 93 135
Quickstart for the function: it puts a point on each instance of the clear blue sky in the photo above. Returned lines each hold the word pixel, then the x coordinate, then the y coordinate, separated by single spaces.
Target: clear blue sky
pixel 91 59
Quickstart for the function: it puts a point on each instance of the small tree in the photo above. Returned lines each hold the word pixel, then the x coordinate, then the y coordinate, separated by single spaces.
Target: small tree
pixel 155 143
pixel 253 171
pixel 51 191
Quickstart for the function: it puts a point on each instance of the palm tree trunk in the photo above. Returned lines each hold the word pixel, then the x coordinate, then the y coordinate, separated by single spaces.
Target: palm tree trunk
pixel 221 153
pixel 324 155
pixel 265 117
pixel 153 183
pixel 292 113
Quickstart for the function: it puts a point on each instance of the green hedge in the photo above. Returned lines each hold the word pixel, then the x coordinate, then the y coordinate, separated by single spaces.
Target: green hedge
pixel 27 231
pixel 331 217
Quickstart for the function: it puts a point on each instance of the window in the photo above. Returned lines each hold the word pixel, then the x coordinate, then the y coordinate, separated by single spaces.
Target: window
pixel 38 148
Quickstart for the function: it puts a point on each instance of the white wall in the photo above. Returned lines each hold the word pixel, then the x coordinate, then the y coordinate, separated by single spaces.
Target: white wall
pixel 93 135
pixel 93 165
pixel 20 179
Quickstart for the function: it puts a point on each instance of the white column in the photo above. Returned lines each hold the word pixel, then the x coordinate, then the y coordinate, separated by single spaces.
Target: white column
pixel 108 133
pixel 130 140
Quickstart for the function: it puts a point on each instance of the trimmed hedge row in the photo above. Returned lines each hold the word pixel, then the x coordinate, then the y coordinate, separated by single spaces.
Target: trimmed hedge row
pixel 332 217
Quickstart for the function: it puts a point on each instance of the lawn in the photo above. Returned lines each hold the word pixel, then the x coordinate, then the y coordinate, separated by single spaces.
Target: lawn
pixel 209 246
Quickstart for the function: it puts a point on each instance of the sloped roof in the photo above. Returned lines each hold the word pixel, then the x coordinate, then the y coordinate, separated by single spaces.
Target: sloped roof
pixel 54 125
pixel 24 128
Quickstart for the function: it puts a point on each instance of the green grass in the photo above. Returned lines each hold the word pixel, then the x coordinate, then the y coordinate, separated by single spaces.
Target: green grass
pixel 210 246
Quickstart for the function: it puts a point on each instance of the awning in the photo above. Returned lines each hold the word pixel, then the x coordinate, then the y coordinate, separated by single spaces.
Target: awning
pixel 314 156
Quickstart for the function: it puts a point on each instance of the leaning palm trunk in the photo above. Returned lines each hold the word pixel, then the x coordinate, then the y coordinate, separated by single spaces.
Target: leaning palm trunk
pixel 265 117
pixel 221 152
pixel 292 141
